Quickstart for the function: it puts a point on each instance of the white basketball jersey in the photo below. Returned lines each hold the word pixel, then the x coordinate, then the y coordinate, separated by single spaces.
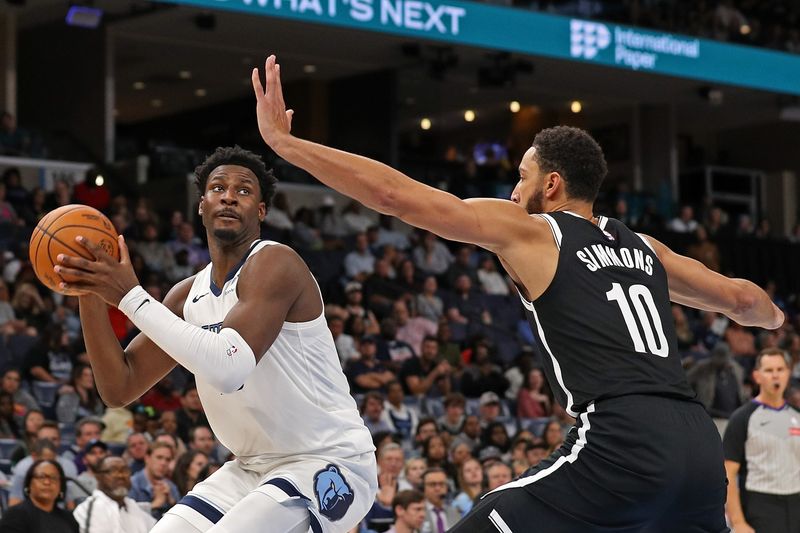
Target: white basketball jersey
pixel 296 401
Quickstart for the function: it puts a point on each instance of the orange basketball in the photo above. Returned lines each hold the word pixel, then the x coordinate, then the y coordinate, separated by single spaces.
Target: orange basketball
pixel 55 234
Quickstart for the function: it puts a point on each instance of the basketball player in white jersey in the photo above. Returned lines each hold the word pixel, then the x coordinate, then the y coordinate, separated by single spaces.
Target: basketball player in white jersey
pixel 251 328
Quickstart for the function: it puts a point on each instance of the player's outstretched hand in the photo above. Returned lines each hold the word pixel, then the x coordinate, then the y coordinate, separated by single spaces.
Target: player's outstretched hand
pixel 274 121
pixel 105 276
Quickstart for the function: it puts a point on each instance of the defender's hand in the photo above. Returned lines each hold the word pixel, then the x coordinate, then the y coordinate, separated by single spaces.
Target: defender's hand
pixel 274 121
pixel 105 276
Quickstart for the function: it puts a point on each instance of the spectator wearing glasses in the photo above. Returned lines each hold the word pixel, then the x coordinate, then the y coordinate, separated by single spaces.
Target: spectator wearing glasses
pixel 44 487
pixel 109 509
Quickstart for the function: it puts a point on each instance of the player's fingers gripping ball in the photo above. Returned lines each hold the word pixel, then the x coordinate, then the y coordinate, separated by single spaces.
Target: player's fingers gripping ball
pixel 55 234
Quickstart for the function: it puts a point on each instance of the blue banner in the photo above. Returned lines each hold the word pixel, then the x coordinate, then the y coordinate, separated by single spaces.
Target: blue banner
pixel 528 32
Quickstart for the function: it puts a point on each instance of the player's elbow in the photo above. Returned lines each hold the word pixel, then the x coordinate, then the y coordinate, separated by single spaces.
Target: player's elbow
pixel 742 299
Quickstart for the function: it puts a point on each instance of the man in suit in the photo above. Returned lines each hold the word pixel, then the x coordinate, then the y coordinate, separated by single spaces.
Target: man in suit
pixel 439 515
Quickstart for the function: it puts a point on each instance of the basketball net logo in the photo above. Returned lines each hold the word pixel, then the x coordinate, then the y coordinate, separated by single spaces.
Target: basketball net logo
pixel 587 38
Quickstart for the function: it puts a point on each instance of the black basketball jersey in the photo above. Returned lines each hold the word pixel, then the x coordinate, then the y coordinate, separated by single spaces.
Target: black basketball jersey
pixel 605 322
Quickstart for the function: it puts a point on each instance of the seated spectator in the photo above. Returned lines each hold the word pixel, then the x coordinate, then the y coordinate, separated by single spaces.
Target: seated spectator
pixel 401 418
pixel 412 474
pixel 86 430
pixel 8 422
pixel 359 263
pixel 372 413
pixel 685 222
pixel 9 323
pixel 392 351
pixel 109 509
pixel 471 432
pixel 532 401
pixel 52 359
pixel 29 307
pixel 491 281
pixel 202 438
pixel 535 452
pixel 354 295
pixel 93 454
pixel 278 213
pixel 354 220
pixel 462 265
pixel 186 241
pixel 16 194
pixel 187 470
pixel 191 412
pixel 428 304
pixel 466 308
pixel 683 329
pixel 13 140
pixel 431 255
pixel 470 484
pixel 8 215
pixel 425 430
pixel 305 234
pixel 426 375
pixel 390 463
pixel 453 419
pixel 448 350
pixel 718 382
pixel 44 488
pixel 388 235
pixel 482 375
pixel 136 451
pixel 345 344
pixel 60 196
pixel 150 486
pixel 495 435
pixel 412 330
pixel 162 396
pixel 80 399
pixel 742 342
pixel 439 515
pixel 169 426
pixel 408 278
pixel 434 451
pixel 366 373
pixel 497 474
pixel 381 290
pixel 43 448
pixel 156 254
pixel 31 423
pixel 704 250
pixel 23 400
pixel 460 451
pixel 553 436
pixel 409 511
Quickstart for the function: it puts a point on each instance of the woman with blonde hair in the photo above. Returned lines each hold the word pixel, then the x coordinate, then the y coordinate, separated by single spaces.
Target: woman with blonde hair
pixel 470 483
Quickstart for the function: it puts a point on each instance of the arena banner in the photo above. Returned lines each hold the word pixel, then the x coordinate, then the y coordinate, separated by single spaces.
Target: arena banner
pixel 528 32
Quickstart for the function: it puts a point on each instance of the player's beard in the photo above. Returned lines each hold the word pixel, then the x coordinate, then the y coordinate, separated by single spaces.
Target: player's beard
pixel 536 203
pixel 227 236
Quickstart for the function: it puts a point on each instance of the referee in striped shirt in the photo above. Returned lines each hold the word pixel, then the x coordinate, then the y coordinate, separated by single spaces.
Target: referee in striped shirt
pixel 762 454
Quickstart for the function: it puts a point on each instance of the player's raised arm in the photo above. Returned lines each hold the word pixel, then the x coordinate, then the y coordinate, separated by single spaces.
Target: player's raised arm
pixel 692 284
pixel 123 376
pixel 490 223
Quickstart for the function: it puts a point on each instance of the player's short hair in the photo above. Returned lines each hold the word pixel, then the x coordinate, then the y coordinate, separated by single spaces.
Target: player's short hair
pixel 404 498
pixel 236 155
pixel 766 352
pixel 576 156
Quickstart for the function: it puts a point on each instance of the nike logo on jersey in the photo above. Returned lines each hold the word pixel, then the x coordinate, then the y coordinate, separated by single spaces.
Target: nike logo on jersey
pixel 196 298
pixel 762 424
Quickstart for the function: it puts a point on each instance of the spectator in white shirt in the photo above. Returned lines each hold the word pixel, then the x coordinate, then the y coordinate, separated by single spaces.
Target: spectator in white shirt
pixel 491 280
pixel 109 509
pixel 359 263
pixel 685 223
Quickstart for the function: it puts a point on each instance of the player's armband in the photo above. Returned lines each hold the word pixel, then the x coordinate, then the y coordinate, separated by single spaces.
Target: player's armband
pixel 223 360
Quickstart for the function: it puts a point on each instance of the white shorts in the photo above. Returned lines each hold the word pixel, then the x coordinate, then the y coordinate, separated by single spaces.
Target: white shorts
pixel 338 492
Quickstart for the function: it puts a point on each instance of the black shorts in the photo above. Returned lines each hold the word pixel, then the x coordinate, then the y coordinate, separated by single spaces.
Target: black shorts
pixel 772 513
pixel 631 464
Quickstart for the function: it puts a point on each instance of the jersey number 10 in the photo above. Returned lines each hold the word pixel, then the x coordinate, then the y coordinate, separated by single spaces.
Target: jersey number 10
pixel 646 318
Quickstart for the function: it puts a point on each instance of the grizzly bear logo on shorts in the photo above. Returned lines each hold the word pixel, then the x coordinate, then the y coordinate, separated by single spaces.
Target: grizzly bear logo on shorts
pixel 334 495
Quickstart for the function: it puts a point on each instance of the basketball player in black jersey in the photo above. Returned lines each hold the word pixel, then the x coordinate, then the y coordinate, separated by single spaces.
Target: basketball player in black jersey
pixel 643 455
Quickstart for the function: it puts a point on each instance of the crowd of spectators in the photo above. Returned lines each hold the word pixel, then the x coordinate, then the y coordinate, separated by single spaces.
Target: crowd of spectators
pixel 767 23
pixel 442 364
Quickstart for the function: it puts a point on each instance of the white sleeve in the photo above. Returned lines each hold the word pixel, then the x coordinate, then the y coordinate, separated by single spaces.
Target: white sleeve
pixel 223 360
